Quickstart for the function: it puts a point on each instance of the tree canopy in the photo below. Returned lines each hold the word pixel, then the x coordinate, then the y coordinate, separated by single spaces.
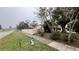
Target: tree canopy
pixel 22 25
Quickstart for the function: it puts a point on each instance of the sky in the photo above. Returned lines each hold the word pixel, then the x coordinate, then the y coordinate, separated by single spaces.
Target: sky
pixel 11 16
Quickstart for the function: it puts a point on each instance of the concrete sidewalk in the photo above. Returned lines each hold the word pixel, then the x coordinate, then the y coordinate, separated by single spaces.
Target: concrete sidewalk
pixel 3 34
pixel 54 44
pixel 62 47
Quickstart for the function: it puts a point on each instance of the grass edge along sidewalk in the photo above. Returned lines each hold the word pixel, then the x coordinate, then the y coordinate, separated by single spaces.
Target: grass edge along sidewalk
pixel 54 44
pixel 36 38
pixel 11 43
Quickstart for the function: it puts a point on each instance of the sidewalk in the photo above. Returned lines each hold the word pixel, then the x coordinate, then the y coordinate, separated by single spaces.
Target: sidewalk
pixel 3 34
pixel 54 44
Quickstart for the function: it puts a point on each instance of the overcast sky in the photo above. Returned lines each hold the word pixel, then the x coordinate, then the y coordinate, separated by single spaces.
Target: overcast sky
pixel 10 16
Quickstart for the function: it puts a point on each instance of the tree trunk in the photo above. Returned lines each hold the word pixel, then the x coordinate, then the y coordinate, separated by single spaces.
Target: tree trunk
pixel 63 29
pixel 70 33
pixel 48 25
pixel 71 28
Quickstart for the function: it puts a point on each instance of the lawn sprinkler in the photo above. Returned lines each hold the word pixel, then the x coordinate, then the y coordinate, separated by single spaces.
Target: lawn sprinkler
pixel 32 43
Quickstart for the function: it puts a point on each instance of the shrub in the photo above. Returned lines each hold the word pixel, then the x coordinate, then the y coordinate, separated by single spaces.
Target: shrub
pixel 65 37
pixel 55 35
pixel 73 38
pixel 40 32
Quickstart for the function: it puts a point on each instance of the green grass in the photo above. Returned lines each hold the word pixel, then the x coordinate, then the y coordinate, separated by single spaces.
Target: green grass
pixel 17 41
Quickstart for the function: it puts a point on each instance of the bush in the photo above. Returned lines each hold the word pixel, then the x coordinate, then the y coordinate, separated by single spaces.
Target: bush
pixel 73 38
pixel 40 32
pixel 64 37
pixel 55 35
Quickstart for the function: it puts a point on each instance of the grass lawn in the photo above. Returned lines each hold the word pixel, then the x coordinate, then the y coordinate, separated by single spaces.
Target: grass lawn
pixel 17 41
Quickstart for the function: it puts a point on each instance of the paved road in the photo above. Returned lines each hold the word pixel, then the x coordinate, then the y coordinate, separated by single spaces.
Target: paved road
pixel 53 44
pixel 5 33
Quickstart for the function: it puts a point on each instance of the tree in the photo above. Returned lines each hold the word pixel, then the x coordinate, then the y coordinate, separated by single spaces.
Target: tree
pixel 40 15
pixel 43 14
pixel 10 27
pixel 76 27
pixel 34 23
pixel 50 15
pixel 60 16
pixel 22 25
pixel 27 21
pixel 0 27
pixel 46 27
pixel 68 12
pixel 73 16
